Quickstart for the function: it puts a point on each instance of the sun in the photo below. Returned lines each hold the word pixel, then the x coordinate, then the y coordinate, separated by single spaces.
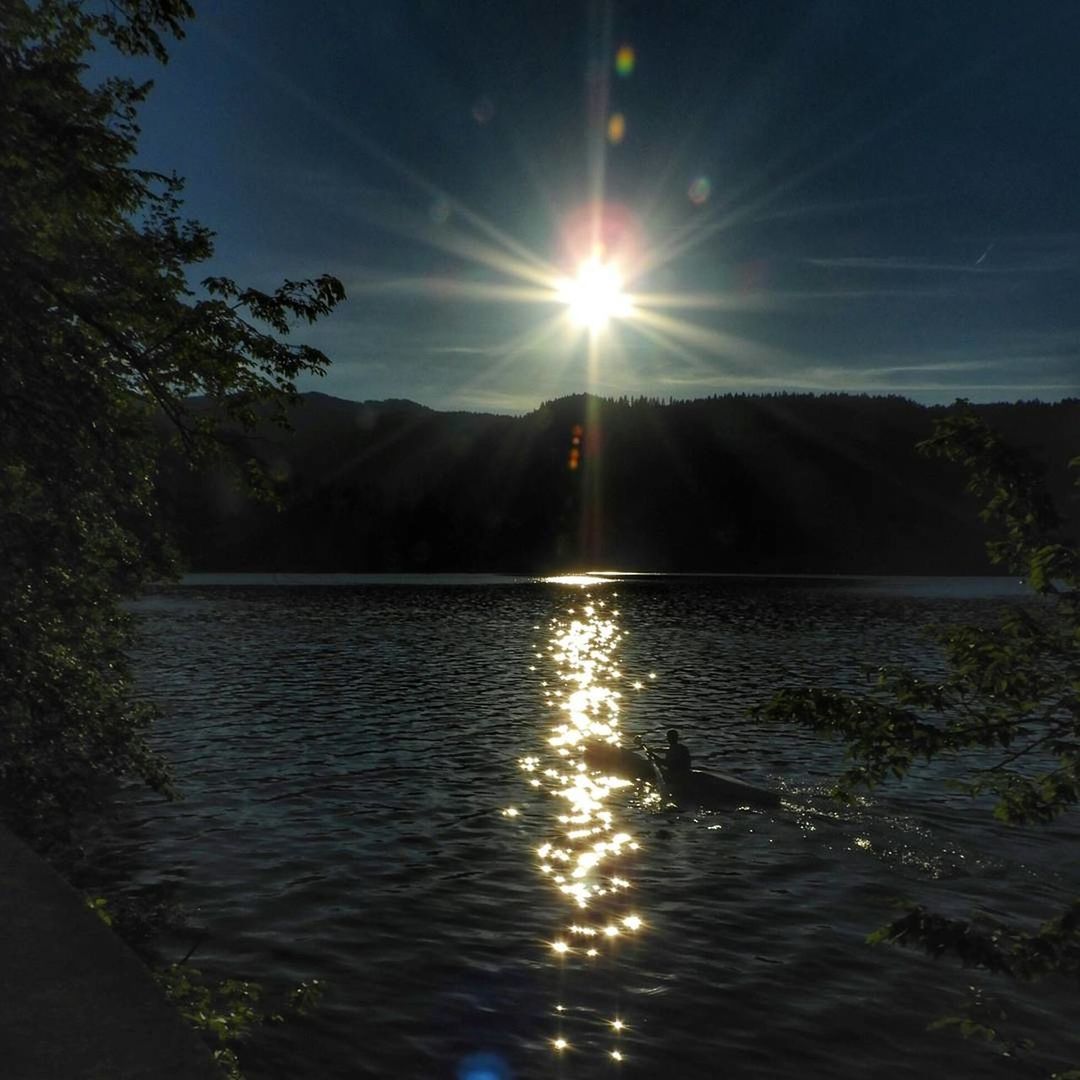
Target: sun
pixel 595 295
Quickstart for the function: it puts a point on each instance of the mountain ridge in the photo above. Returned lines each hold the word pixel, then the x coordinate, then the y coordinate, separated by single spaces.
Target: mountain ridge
pixel 736 483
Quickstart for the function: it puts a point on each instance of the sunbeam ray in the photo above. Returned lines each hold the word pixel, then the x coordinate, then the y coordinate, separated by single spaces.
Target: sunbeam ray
pixel 449 288
pixel 348 130
pixel 741 351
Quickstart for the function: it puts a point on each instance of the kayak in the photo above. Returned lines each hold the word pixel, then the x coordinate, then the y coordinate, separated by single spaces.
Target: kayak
pixel 716 791
pixel 706 789
pixel 617 761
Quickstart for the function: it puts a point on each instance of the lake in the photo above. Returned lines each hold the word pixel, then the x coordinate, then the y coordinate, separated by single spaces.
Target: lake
pixel 372 798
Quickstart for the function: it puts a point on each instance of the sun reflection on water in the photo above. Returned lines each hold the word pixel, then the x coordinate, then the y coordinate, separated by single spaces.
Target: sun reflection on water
pixel 588 853
pixel 575 579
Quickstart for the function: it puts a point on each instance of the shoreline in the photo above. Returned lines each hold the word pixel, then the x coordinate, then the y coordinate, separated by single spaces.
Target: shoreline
pixel 76 1001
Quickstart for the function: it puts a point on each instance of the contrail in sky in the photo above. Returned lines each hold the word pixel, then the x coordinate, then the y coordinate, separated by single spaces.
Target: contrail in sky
pixel 979 260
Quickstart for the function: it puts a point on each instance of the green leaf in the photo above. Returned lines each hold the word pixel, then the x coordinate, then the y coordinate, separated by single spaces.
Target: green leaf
pixel 103 347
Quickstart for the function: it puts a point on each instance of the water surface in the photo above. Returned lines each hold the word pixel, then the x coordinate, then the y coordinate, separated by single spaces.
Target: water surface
pixel 358 759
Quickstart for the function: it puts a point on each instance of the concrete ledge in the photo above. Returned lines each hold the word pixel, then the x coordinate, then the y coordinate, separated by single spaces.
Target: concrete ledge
pixel 75 1001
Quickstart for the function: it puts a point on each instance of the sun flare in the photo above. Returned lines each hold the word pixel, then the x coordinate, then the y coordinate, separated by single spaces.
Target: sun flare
pixel 595 295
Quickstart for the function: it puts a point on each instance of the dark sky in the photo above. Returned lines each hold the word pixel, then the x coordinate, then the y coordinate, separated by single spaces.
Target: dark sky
pixel 863 196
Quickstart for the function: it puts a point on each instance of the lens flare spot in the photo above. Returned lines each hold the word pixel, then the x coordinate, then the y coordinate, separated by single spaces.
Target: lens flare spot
pixel 439 211
pixel 483 1066
pixel 616 128
pixel 483 110
pixel 624 60
pixel 700 190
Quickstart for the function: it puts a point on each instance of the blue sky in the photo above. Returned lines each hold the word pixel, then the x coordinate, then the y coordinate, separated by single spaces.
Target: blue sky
pixel 835 196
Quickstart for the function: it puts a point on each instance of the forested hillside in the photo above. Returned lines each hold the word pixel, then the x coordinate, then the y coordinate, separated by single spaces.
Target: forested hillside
pixel 788 483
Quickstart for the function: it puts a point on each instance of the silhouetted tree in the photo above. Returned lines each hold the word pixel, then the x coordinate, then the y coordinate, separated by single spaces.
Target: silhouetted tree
pixel 1012 690
pixel 100 333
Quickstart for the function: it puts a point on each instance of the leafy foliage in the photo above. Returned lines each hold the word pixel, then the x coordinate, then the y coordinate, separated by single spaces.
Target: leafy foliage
pixel 229 1011
pixel 99 334
pixel 1014 686
pixel 1012 691
pixel 1053 949
pixel 99 905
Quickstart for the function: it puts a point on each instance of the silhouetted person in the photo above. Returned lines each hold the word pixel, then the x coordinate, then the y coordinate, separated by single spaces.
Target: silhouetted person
pixel 674 763
pixel 677 758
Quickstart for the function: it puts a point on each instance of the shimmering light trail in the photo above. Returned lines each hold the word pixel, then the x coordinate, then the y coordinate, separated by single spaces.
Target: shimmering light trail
pixel 588 852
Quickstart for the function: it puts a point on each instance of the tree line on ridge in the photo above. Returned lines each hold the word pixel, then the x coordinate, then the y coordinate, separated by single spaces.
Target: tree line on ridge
pixel 786 483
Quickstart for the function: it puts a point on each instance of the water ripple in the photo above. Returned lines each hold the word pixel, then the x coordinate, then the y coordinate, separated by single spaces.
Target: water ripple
pixel 347 755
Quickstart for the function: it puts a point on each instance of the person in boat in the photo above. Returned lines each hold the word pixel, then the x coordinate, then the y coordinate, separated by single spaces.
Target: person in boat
pixel 675 761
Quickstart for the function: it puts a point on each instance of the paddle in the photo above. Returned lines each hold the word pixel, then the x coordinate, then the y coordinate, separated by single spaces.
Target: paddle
pixel 663 782
pixel 652 755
